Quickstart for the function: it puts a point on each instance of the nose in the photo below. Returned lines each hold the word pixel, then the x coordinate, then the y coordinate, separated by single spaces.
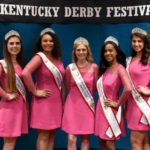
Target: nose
pixel 136 43
pixel 107 52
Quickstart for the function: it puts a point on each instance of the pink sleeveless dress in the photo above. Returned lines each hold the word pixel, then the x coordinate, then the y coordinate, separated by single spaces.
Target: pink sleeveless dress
pixel 13 114
pixel 45 113
pixel 113 79
pixel 140 75
pixel 78 118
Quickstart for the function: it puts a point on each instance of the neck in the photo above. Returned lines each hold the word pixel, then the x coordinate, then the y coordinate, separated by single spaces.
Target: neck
pixel 82 62
pixel 114 63
pixel 139 54
pixel 48 54
pixel 13 58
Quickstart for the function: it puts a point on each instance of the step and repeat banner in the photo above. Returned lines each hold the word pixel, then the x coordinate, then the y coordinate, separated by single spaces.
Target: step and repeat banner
pixel 75 11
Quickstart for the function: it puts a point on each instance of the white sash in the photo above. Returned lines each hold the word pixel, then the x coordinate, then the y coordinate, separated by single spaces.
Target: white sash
pixel 141 103
pixel 53 69
pixel 19 83
pixel 82 86
pixel 113 121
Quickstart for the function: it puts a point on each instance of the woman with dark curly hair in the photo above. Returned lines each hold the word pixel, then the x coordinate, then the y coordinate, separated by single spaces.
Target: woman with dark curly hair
pixel 109 124
pixel 48 92
pixel 138 108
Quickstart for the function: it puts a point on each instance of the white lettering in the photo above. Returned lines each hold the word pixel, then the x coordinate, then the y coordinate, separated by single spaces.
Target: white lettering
pixel 124 13
pixel 19 10
pixel 4 9
pixel 11 9
pixel 34 10
pixel 47 12
pixel 116 13
pixel 75 12
pixel 67 11
pixel 82 12
pixel 97 10
pixel 26 7
pixel 40 11
pixel 89 12
pixel 130 8
pixel 55 9
pixel 142 9
pixel 109 11
pixel 148 10
pixel 136 11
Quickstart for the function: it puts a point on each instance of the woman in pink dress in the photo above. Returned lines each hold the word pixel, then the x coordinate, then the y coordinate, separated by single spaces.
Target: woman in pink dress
pixel 79 110
pixel 109 124
pixel 48 92
pixel 139 72
pixel 13 110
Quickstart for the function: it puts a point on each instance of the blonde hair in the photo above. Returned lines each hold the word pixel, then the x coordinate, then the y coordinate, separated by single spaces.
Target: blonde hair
pixel 78 42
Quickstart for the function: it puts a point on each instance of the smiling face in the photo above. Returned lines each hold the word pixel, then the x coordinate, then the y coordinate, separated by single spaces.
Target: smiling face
pixel 137 44
pixel 14 46
pixel 110 53
pixel 81 52
pixel 47 43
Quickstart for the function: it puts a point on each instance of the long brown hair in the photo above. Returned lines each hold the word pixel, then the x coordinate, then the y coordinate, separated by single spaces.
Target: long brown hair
pixel 11 79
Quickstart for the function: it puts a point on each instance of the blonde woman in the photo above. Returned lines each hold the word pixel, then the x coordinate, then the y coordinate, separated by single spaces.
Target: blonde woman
pixel 79 110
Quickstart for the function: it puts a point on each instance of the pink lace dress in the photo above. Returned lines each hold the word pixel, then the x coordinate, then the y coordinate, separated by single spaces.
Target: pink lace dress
pixel 13 114
pixel 113 79
pixel 78 118
pixel 140 75
pixel 46 113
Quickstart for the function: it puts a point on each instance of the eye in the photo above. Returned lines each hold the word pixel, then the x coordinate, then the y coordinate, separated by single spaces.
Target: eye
pixel 11 43
pixel 140 41
pixel 78 50
pixel 18 43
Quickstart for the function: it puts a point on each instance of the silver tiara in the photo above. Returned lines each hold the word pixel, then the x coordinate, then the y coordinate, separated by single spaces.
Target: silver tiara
pixel 139 30
pixel 11 33
pixel 81 40
pixel 47 30
pixel 112 39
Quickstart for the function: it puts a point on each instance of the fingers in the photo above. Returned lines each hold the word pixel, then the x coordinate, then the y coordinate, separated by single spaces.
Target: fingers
pixel 111 103
pixel 13 96
pixel 46 93
pixel 107 103
pixel 42 93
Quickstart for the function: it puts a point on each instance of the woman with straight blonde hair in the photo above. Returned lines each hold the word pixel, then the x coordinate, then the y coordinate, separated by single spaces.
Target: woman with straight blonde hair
pixel 79 110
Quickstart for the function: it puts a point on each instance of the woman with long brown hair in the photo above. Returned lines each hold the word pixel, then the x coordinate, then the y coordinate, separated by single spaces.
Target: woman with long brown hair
pixel 138 108
pixel 13 110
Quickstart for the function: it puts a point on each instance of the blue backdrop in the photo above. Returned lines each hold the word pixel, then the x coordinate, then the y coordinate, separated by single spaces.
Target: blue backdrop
pixel 96 34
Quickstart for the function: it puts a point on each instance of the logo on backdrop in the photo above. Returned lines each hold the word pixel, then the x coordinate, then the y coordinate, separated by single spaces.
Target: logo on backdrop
pixel 65 11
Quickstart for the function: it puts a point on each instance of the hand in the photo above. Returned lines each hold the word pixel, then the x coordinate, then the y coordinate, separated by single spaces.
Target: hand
pixel 42 93
pixel 12 96
pixel 143 90
pixel 111 103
